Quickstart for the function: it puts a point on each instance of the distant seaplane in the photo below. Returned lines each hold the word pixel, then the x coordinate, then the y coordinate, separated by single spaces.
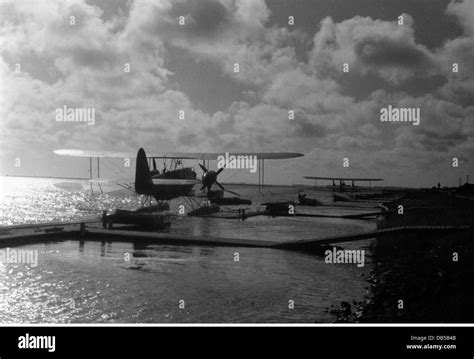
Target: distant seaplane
pixel 176 180
pixel 342 180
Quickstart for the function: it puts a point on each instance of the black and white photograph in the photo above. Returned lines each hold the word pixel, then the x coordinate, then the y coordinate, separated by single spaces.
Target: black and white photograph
pixel 236 162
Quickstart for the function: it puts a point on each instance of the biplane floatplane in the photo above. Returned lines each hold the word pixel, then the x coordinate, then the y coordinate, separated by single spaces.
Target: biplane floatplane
pixel 175 180
pixel 342 181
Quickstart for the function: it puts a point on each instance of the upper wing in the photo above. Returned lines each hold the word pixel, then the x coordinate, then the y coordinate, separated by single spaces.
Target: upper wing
pixel 99 154
pixel 259 155
pixel 344 178
pixel 178 155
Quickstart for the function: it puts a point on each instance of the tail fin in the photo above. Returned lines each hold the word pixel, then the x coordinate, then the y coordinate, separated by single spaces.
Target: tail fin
pixel 143 181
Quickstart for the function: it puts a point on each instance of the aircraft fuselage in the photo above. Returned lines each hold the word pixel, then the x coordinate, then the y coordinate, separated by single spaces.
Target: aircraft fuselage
pixel 165 192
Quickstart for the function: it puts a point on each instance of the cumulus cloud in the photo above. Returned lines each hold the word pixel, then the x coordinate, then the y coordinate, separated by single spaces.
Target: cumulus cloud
pixel 367 45
pixel 460 52
pixel 464 12
pixel 224 32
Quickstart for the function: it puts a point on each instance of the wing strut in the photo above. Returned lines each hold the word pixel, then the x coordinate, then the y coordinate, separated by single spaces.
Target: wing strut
pixel 261 174
pixel 91 174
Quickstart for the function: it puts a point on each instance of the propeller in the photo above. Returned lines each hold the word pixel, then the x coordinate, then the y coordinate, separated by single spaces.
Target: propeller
pixel 203 168
pixel 227 190
pixel 210 177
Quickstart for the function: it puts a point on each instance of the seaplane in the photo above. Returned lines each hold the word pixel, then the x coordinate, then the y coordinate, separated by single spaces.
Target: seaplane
pixel 175 180
pixel 342 187
pixel 342 181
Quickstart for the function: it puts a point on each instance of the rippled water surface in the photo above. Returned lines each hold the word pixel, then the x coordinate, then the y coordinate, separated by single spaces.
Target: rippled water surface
pixel 93 281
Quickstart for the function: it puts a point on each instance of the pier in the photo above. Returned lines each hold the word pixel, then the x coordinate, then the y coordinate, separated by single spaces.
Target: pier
pixel 90 230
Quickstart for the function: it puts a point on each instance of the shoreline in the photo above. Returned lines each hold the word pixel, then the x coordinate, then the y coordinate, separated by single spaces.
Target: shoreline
pixel 424 278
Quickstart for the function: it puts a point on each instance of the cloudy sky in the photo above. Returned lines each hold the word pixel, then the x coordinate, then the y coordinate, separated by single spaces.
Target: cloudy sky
pixel 282 67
